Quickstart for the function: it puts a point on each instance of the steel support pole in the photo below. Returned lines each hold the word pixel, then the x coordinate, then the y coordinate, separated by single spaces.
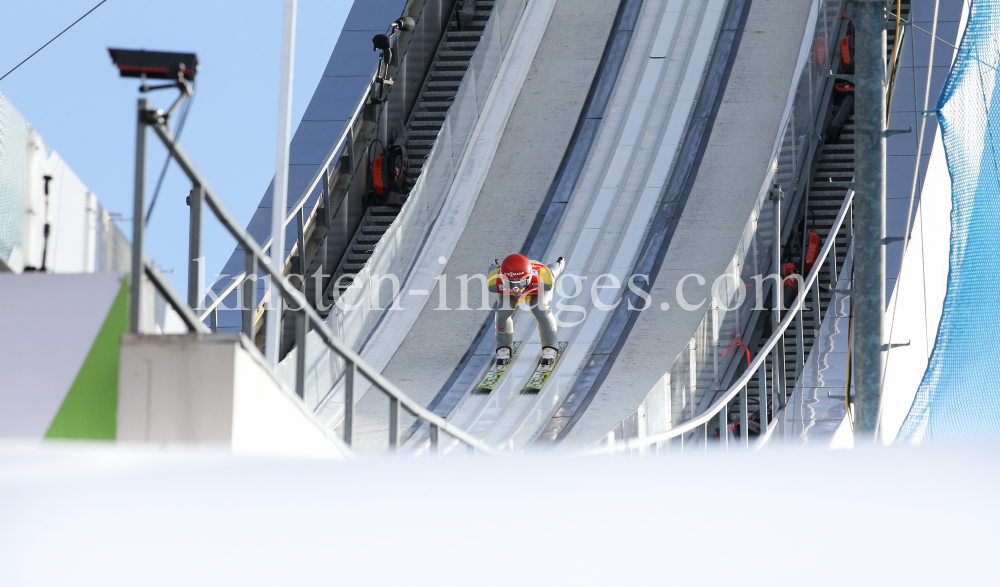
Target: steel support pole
pixel 350 370
pixel 300 238
pixel 194 246
pixel 744 418
pixel 762 394
pixel 723 427
pixel 301 328
pixel 779 355
pixel 393 424
pixel 279 191
pixel 249 290
pixel 869 202
pixel 138 216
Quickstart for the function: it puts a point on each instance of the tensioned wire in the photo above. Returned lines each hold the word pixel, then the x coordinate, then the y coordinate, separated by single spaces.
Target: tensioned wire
pixel 913 189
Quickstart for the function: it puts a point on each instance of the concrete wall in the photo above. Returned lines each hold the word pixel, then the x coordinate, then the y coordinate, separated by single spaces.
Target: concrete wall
pixel 212 389
pixel 534 140
pixel 82 237
pixel 723 195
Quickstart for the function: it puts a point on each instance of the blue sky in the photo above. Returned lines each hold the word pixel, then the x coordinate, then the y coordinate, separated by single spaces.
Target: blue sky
pixel 72 94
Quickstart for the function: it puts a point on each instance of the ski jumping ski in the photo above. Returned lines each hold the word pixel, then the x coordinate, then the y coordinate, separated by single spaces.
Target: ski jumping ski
pixel 492 376
pixel 542 372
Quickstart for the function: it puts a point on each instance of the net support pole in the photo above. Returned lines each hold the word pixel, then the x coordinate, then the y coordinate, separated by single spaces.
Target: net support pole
pixel 138 218
pixel 279 190
pixel 869 207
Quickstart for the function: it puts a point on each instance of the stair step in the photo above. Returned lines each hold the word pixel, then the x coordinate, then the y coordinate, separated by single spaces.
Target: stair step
pixel 447 55
pixel 439 106
pixel 451 66
pixel 429 119
pixel 445 75
pixel 444 85
pixel 369 229
pixel 436 97
pixel 419 144
pixel 461 45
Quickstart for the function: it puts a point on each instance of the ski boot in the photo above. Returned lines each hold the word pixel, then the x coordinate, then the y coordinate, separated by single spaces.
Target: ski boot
pixel 502 358
pixel 549 356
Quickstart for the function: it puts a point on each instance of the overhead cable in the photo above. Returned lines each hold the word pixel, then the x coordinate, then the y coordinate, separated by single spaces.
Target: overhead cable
pixel 52 39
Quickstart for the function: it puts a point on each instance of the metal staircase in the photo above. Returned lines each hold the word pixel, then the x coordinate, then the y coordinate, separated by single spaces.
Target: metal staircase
pixel 833 168
pixel 454 53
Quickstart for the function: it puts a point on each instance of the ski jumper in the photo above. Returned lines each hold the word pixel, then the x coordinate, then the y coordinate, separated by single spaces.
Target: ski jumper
pixel 538 296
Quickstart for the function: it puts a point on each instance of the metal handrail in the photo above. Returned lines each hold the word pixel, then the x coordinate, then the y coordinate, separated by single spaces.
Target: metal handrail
pixel 348 132
pixel 307 317
pixel 740 384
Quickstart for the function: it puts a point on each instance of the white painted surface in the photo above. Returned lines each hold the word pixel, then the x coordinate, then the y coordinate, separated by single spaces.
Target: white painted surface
pixel 463 194
pixel 536 134
pixel 915 306
pixel 212 389
pixel 110 517
pixel 48 324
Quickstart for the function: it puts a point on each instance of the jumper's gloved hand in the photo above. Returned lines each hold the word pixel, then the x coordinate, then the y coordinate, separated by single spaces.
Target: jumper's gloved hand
pixel 558 267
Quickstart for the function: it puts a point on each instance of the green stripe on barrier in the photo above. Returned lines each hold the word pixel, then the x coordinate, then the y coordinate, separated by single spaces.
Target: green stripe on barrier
pixel 91 406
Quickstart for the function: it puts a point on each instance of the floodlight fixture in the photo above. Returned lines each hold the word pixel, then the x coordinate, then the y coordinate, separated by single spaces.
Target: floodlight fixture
pixel 155 64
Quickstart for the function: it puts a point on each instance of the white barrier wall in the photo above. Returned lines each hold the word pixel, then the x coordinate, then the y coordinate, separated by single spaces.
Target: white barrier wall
pixel 212 389
pixel 82 237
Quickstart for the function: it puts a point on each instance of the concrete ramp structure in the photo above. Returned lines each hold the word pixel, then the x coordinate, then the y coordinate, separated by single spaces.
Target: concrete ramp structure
pixel 686 157
pixel 635 139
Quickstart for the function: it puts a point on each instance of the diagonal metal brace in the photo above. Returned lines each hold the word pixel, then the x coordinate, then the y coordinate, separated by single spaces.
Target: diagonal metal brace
pixel 890 239
pixel 842 76
pixel 894 345
pixel 896 131
pixel 840 397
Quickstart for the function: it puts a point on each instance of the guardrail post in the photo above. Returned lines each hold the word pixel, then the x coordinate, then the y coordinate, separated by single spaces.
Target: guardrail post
pixel 817 323
pixel 300 226
pixel 393 423
pixel 762 394
pixel 434 438
pixel 249 291
pixel 779 357
pixel 724 426
pixel 194 246
pixel 138 216
pixel 327 212
pixel 213 320
pixel 350 370
pixel 833 261
pixel 800 342
pixel 744 418
pixel 351 161
pixel 301 328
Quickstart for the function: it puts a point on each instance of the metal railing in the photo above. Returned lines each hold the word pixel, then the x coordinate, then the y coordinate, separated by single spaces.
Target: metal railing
pixel 306 316
pixel 346 139
pixel 720 408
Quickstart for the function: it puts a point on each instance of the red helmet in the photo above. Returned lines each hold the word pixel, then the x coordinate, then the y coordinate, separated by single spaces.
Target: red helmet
pixel 516 271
